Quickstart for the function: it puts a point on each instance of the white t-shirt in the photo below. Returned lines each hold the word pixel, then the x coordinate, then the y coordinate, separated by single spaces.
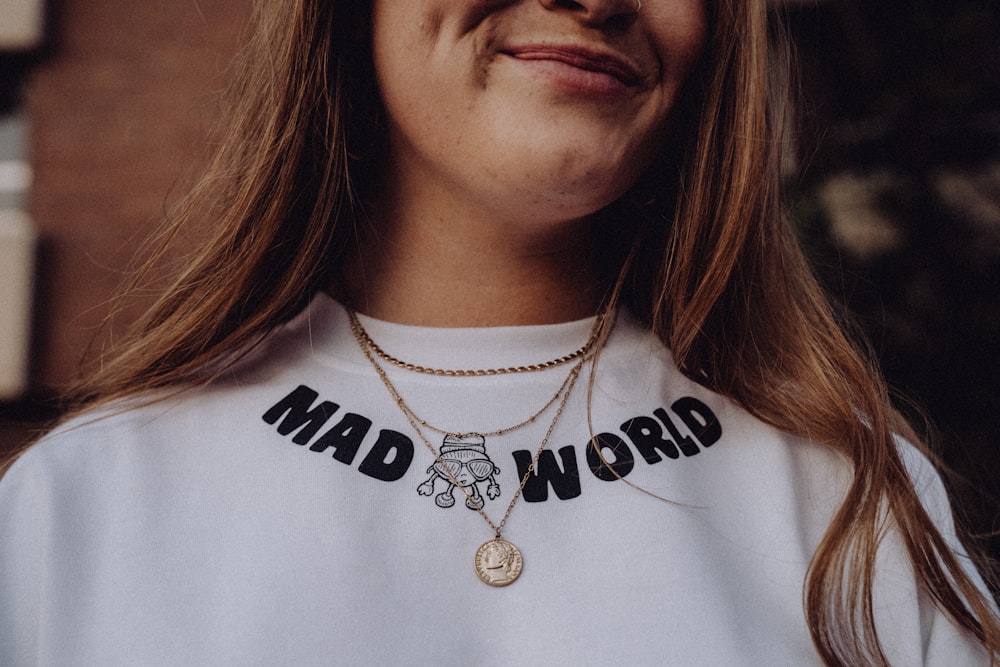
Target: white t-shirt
pixel 289 515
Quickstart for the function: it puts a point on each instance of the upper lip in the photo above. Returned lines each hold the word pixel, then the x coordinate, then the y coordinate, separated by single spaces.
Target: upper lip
pixel 594 60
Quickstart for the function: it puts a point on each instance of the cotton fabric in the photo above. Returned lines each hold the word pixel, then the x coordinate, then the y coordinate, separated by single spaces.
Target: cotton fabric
pixel 274 517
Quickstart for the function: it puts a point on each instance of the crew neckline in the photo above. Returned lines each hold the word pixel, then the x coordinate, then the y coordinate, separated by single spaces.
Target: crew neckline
pixel 448 347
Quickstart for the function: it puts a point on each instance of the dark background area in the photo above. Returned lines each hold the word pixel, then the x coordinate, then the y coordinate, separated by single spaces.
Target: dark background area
pixel 902 134
pixel 896 188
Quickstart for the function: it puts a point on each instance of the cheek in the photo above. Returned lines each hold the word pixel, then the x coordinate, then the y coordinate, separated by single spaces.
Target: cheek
pixel 413 67
pixel 403 37
pixel 682 35
pixel 399 80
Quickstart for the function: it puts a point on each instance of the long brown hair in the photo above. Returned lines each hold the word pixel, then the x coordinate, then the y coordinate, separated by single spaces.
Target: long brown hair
pixel 711 267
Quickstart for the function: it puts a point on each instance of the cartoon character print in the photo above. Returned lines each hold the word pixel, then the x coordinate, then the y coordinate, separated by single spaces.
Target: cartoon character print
pixel 463 461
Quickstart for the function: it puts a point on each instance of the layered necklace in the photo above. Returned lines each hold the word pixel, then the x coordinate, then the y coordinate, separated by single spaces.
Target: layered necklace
pixel 462 460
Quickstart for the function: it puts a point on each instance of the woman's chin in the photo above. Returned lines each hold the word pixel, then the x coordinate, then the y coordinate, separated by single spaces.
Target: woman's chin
pixel 570 194
pixel 545 207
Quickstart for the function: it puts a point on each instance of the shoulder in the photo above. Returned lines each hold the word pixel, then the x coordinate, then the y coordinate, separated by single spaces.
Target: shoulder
pixel 926 479
pixel 92 444
pixel 175 421
pixel 82 437
pixel 930 489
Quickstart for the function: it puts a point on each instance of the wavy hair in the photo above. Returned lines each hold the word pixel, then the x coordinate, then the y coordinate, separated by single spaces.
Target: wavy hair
pixel 710 266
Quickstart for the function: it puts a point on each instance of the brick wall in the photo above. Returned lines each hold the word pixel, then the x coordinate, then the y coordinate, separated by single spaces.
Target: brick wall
pixel 120 105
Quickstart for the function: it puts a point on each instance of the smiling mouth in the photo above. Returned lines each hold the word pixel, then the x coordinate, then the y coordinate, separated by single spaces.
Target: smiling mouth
pixel 589 61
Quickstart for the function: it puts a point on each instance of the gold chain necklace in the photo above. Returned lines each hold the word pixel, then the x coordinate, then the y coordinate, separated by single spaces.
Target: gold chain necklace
pixel 366 341
pixel 497 561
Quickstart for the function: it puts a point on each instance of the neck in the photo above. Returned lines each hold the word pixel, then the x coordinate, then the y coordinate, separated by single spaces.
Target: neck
pixel 462 268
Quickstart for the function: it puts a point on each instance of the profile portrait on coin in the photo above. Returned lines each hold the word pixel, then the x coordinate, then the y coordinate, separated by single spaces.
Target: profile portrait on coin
pixel 498 562
pixel 506 283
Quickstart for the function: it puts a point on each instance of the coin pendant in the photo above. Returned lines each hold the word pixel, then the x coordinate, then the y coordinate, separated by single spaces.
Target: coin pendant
pixel 498 562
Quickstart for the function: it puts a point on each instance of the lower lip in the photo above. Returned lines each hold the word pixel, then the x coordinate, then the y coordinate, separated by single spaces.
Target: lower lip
pixel 574 79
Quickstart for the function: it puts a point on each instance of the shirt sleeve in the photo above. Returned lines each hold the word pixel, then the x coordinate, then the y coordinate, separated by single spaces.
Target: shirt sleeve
pixel 23 554
pixel 944 643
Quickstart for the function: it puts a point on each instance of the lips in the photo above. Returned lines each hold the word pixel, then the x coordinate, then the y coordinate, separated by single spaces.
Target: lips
pixel 582 58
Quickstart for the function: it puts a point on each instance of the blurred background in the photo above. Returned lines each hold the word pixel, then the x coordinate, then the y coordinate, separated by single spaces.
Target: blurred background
pixel 106 109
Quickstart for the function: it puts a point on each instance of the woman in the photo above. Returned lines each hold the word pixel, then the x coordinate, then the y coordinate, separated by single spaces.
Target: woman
pixel 414 400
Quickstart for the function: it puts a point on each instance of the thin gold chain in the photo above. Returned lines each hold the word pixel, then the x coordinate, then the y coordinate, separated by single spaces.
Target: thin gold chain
pixel 496 527
pixel 500 431
pixel 366 344
pixel 478 372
